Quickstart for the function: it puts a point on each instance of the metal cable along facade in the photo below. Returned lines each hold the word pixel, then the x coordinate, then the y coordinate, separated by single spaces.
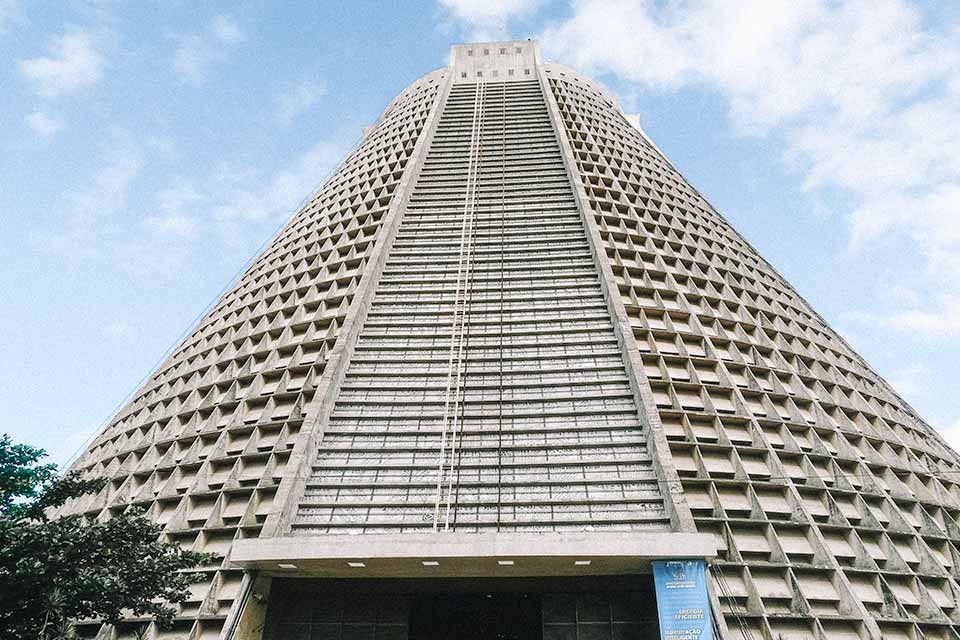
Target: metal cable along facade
pixel 507 313
pixel 487 389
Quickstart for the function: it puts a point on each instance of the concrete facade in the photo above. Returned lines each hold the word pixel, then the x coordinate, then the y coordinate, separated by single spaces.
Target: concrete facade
pixel 468 555
pixel 508 340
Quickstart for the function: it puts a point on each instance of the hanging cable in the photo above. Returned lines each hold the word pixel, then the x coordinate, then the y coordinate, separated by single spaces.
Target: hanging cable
pixel 470 208
pixel 500 324
pixel 452 408
pixel 735 608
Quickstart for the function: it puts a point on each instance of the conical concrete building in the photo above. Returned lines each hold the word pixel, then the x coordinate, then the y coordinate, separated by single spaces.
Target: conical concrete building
pixel 507 375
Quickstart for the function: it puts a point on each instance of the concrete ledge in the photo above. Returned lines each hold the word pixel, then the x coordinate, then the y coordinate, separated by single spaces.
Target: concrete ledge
pixel 468 554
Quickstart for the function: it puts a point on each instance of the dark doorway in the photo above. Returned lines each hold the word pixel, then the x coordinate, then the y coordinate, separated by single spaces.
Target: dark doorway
pixel 522 608
pixel 471 616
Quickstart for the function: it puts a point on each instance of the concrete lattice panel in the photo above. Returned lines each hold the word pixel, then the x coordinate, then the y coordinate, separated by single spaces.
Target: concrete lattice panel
pixel 507 311
pixel 205 445
pixel 833 504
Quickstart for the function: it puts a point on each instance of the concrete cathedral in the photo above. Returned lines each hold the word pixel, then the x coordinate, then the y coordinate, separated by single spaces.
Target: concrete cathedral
pixel 508 375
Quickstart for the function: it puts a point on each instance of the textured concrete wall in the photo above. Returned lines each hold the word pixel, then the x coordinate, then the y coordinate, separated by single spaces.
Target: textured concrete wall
pixel 833 505
pixel 740 414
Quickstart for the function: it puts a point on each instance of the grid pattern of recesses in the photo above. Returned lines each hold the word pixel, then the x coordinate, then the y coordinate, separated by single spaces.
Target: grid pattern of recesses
pixel 547 435
pixel 203 445
pixel 823 489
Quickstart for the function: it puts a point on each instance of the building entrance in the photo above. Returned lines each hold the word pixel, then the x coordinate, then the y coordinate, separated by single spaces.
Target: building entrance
pixel 594 608
pixel 501 616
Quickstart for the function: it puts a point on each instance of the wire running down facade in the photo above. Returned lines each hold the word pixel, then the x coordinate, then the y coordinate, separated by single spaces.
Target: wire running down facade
pixel 507 313
pixel 488 344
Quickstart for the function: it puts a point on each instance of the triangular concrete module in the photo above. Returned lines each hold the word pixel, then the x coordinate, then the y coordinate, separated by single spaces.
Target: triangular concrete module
pixel 505 366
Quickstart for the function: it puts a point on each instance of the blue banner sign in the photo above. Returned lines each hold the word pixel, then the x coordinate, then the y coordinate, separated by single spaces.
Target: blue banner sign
pixel 682 599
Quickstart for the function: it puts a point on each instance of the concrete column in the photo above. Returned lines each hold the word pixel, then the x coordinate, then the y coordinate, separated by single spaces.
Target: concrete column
pixel 249 614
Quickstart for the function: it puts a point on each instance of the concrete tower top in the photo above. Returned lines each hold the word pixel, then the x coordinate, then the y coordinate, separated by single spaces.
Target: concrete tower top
pixel 494 61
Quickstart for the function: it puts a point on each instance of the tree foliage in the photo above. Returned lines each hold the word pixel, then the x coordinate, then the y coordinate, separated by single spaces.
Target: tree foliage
pixel 57 569
pixel 22 476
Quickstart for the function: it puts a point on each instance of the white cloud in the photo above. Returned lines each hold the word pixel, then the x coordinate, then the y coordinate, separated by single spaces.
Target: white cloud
pixel 297 99
pixel 10 13
pixel 864 95
pixel 178 197
pixel 487 19
pixel 178 206
pixel 74 62
pixel 107 191
pixel 111 216
pixel 775 60
pixel 174 224
pixel 285 189
pixel 143 258
pixel 939 321
pixel 170 232
pixel 225 29
pixel 84 214
pixel 197 53
pixel 910 380
pixel 122 330
pixel 44 124
pixel 226 206
pixel 193 59
pixel 951 433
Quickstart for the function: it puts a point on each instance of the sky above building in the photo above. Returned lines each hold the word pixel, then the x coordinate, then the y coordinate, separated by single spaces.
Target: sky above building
pixel 150 150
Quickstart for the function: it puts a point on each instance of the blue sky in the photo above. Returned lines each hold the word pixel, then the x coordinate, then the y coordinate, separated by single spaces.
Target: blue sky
pixel 149 149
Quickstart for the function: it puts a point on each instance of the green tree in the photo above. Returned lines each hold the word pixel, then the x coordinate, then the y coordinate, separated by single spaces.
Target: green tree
pixel 57 569
pixel 22 476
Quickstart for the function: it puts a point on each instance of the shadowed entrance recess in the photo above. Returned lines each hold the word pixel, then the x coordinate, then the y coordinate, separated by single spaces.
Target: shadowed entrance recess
pixel 475 616
pixel 596 608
